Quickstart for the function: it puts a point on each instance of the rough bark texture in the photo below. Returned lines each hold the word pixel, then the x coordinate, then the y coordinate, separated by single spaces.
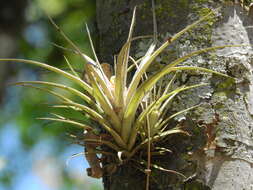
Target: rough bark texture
pixel 219 154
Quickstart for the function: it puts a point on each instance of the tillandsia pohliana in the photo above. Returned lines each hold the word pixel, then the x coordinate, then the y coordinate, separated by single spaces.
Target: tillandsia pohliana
pixel 128 115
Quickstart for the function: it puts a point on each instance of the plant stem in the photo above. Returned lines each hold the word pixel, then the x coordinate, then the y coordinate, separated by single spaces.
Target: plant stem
pixel 148 170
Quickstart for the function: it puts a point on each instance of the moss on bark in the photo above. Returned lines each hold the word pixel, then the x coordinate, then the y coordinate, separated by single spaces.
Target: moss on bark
pixel 214 130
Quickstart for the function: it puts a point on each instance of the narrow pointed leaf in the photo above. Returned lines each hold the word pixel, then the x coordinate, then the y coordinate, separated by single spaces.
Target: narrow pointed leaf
pixel 71 68
pixel 105 104
pixel 150 59
pixel 198 52
pixel 61 86
pixel 147 85
pixel 166 170
pixel 139 72
pixel 95 115
pixel 48 91
pixel 157 103
pixel 108 143
pixel 175 130
pixel 121 74
pixel 100 78
pixel 180 89
pixel 98 71
pixel 176 114
pixel 87 58
pixel 100 119
pixel 54 69
pixel 91 43
pixel 75 123
pixel 121 68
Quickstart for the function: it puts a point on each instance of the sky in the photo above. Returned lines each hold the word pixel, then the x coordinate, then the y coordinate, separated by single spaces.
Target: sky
pixel 38 169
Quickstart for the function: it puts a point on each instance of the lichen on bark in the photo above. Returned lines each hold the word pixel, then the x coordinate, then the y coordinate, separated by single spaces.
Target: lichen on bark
pixel 222 138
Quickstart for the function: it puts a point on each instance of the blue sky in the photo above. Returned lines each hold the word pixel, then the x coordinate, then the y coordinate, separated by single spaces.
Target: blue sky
pixel 26 164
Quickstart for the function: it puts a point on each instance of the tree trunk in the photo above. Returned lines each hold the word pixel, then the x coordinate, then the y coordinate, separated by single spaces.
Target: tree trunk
pixel 219 154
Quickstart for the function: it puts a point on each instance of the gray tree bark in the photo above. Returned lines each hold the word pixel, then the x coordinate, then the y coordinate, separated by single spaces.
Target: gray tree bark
pixel 219 154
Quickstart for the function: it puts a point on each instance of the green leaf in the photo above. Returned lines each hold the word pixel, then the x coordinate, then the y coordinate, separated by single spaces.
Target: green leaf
pixel 86 58
pixel 176 91
pixel 71 68
pixel 163 169
pixel 121 70
pixel 95 115
pixel 100 119
pixel 68 121
pixel 48 91
pixel 139 72
pixel 120 75
pixel 64 87
pixel 54 69
pixel 91 43
pixel 150 58
pixel 99 76
pixel 108 143
pixel 175 130
pixel 182 59
pixel 148 84
pixel 165 121
pixel 166 170
pixel 105 104
pixel 98 72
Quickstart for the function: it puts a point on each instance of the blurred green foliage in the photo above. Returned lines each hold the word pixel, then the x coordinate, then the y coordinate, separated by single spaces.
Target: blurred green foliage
pixel 71 17
pixel 24 105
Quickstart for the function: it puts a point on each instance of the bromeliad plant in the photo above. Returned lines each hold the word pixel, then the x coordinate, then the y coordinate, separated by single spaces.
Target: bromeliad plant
pixel 130 113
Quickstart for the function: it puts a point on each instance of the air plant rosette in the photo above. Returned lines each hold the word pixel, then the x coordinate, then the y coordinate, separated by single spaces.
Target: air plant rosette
pixel 130 115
